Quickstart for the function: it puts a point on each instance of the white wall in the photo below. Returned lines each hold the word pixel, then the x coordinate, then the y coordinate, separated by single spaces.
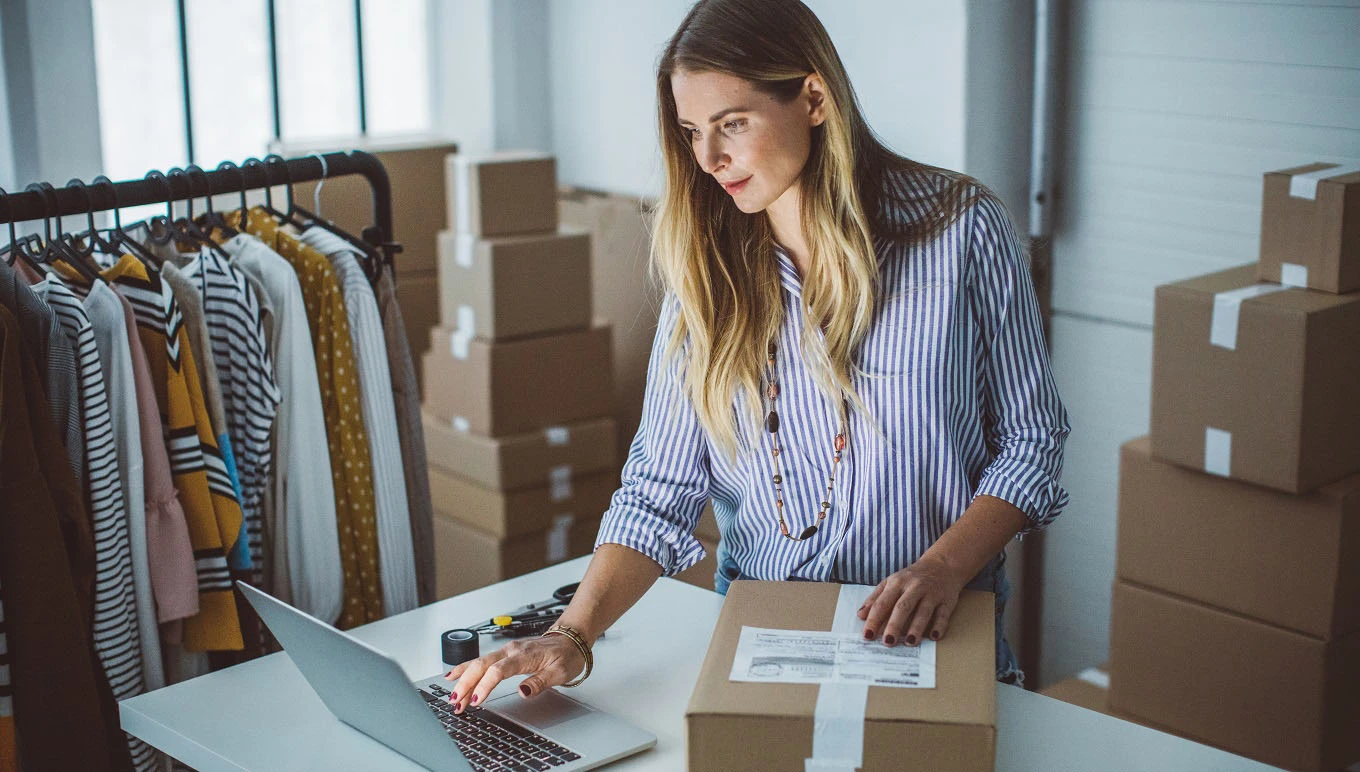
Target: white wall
pixel 1175 109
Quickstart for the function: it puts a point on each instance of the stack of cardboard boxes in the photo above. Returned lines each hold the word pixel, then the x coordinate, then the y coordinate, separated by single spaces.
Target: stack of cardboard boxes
pixel 518 386
pixel 1236 610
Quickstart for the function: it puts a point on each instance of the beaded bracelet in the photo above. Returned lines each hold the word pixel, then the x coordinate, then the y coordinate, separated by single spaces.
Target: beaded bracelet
pixel 575 637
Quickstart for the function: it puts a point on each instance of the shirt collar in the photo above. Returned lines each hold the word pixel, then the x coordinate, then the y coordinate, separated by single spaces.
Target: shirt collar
pixel 788 272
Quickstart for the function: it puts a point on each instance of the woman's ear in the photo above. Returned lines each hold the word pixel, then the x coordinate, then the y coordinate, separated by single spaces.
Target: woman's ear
pixel 814 94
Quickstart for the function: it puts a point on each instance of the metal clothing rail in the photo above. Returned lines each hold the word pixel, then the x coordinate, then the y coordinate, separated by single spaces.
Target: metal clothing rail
pixel 31 205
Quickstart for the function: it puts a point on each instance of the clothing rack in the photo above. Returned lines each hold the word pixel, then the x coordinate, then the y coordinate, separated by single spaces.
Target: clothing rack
pixel 73 199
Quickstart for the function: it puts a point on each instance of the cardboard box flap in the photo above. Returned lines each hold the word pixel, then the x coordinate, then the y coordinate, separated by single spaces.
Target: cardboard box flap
pixel 1344 179
pixel 1292 299
pixel 960 696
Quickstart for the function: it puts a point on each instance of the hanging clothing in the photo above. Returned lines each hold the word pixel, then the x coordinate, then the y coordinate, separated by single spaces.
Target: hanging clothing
pixel 395 552
pixel 211 509
pixel 304 568
pixel 347 436
pixel 46 574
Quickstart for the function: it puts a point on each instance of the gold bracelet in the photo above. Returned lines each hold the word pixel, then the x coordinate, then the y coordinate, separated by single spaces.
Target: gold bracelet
pixel 575 637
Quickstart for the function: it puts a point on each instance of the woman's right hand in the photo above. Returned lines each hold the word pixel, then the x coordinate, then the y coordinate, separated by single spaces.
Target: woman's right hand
pixel 550 660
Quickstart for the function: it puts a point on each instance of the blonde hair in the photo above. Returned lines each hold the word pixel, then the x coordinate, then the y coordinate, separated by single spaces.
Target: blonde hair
pixel 719 262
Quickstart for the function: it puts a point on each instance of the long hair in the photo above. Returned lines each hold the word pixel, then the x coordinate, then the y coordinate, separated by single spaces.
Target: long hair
pixel 720 263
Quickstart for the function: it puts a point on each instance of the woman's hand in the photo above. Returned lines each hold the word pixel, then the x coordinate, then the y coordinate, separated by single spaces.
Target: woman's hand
pixel 549 661
pixel 913 603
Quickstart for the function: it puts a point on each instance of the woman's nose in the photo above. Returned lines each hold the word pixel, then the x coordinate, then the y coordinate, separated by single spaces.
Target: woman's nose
pixel 711 157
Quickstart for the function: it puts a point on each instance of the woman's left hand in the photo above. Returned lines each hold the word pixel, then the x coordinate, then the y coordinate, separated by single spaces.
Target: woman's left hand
pixel 913 603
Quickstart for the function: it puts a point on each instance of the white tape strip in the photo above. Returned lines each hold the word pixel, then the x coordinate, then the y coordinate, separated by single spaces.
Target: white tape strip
pixel 458 344
pixel 462 193
pixel 1227 309
pixel 462 334
pixel 1305 185
pixel 557 435
pixel 464 247
pixel 838 718
pixel 461 424
pixel 559 482
pixel 1095 677
pixel 559 537
pixel 1217 451
pixel 1294 275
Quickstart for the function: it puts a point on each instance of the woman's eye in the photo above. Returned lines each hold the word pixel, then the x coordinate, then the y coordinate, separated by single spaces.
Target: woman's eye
pixel 734 125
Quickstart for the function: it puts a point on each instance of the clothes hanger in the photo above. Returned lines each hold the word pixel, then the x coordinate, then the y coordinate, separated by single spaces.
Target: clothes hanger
pixel 18 248
pixel 160 229
pixel 120 238
pixel 57 249
pixel 212 219
pixel 373 262
pixel 285 217
pixel 187 225
pixel 91 237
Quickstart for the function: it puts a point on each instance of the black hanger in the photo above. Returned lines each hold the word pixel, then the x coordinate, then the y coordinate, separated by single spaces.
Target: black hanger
pixel 285 217
pixel 373 260
pixel 18 248
pixel 91 237
pixel 214 219
pixel 117 235
pixel 57 249
pixel 188 224
pixel 160 229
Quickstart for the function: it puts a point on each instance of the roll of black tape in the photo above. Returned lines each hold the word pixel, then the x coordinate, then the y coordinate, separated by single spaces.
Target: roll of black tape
pixel 459 646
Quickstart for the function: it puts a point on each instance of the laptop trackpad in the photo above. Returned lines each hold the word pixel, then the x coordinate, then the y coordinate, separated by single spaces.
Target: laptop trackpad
pixel 544 711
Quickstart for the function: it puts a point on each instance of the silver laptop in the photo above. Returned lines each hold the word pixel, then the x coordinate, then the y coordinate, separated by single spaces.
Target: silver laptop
pixel 368 690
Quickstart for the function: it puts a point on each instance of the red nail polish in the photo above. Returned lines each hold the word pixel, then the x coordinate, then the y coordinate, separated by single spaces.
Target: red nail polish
pixel 453 697
pixel 868 635
pixel 524 689
pixel 911 640
pixel 473 700
pixel 935 635
pixel 890 640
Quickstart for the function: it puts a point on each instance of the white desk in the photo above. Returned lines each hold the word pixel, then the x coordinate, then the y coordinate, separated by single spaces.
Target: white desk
pixel 261 715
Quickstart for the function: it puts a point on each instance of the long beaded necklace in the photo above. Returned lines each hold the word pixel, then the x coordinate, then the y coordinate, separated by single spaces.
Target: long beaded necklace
pixel 772 426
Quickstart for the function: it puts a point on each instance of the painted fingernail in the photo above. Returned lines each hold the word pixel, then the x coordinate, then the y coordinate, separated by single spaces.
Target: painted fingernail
pixel 911 640
pixel 473 700
pixel 890 640
pixel 453 697
pixel 935 635
pixel 524 689
pixel 868 634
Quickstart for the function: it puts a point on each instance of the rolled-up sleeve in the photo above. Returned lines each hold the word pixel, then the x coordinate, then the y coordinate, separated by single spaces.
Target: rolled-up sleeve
pixel 1025 423
pixel 665 479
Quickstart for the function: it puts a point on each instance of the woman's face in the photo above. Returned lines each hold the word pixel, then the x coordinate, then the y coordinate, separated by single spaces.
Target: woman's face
pixel 752 145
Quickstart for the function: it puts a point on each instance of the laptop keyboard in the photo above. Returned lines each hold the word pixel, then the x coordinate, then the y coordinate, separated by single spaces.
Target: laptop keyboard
pixel 493 743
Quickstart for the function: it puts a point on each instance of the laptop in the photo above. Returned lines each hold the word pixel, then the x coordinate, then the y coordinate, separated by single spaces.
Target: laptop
pixel 368 690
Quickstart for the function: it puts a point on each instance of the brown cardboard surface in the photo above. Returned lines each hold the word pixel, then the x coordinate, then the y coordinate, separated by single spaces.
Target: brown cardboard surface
pixel 467 559
pixel 1249 687
pixel 521 460
pixel 1321 234
pixel 415 170
pixel 511 387
pixel 506 514
pixel 1286 393
pixel 418 296
pixel 708 525
pixel 701 574
pixel 1084 694
pixel 624 292
pixel 1293 561
pixel 514 286
pixel 745 726
pixel 502 193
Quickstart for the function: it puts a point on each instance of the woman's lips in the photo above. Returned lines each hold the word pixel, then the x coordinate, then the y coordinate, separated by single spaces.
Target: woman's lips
pixel 734 188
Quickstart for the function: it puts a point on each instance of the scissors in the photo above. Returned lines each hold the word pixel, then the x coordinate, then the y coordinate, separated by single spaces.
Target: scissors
pixel 531 618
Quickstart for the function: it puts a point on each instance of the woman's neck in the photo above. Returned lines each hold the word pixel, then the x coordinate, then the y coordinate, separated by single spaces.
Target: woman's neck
pixel 786 222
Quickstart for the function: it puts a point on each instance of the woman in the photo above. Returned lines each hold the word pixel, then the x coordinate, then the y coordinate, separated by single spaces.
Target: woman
pixel 849 359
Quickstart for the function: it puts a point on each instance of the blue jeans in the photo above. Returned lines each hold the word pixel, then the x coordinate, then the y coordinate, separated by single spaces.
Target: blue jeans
pixel 991 579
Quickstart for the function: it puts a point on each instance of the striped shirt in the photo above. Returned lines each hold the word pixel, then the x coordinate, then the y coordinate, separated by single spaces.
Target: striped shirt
pixel 956 374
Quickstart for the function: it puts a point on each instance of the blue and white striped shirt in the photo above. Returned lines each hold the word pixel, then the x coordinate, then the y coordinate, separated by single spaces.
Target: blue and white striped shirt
pixel 960 385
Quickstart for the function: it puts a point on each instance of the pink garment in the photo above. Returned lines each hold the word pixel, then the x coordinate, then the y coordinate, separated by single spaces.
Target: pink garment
pixel 170 556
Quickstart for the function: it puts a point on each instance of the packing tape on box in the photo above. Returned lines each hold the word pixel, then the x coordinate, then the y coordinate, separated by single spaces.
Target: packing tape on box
pixel 559 482
pixel 1294 275
pixel 557 435
pixel 1095 677
pixel 462 195
pixel 1305 185
pixel 1227 309
pixel 461 424
pixel 838 718
pixel 559 538
pixel 1217 451
pixel 462 335
pixel 464 246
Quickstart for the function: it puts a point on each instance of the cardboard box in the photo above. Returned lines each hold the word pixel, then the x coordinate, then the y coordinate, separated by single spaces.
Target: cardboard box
pixel 1310 227
pixel 733 725
pixel 707 529
pixel 1090 689
pixel 418 297
pixel 415 170
pixel 467 559
pixel 701 574
pixel 1258 388
pixel 514 286
pixel 624 291
pixel 1293 561
pixel 511 387
pixel 506 514
pixel 1252 688
pixel 545 457
pixel 502 194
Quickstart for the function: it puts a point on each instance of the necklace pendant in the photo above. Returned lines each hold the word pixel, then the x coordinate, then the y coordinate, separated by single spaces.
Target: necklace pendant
pixel 840 442
pixel 772 422
pixel 772 391
pixel 807 532
pixel 783 527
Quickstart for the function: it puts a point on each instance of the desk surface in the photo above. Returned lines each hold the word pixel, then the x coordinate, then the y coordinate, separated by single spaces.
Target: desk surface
pixel 262 715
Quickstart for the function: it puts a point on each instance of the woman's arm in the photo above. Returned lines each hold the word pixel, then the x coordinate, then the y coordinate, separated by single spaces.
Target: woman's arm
pixel 616 578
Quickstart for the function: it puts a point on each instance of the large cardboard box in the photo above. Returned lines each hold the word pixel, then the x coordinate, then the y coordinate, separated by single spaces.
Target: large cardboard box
pixel 551 456
pixel 418 297
pixel 708 525
pixel 1252 688
pixel 1293 561
pixel 1310 227
pixel 1089 689
pixel 507 514
pixel 734 726
pixel 511 387
pixel 513 286
pixel 467 558
pixel 624 291
pixel 1256 382
pixel 503 193
pixel 415 170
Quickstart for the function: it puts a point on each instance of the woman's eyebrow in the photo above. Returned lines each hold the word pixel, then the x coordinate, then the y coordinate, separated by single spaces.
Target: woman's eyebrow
pixel 715 116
